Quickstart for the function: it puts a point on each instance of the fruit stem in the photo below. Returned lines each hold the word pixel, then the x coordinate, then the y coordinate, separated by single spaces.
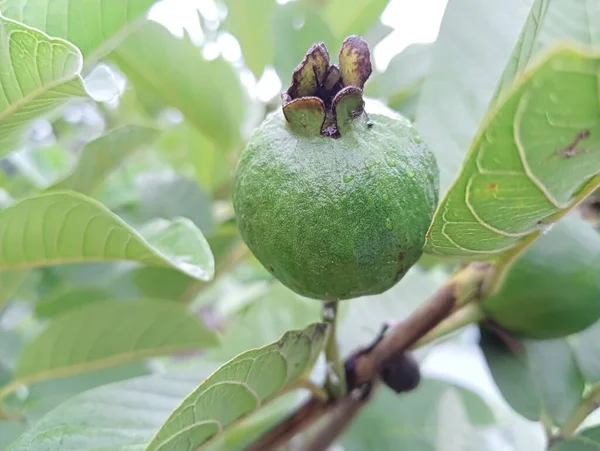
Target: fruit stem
pixel 586 407
pixel 335 383
pixel 467 314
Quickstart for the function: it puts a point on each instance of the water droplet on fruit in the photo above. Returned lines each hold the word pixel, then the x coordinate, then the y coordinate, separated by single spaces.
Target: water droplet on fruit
pixel 348 178
pixel 391 163
pixel 410 174
pixel 388 224
pixel 417 139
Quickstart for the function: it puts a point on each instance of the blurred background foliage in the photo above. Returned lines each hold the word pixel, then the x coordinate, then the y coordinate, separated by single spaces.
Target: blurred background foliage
pixel 178 86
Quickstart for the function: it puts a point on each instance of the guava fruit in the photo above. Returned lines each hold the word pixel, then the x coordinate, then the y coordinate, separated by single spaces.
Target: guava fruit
pixel 335 203
pixel 553 289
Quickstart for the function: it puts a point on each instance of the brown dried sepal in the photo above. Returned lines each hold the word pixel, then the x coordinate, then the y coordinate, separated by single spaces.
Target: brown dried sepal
pixel 337 89
pixel 355 62
pixel 310 73
pixel 347 105
pixel 305 115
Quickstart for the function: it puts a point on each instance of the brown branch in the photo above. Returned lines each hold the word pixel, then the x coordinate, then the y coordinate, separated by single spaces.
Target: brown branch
pixel 342 416
pixel 305 416
pixel 367 364
pixel 403 335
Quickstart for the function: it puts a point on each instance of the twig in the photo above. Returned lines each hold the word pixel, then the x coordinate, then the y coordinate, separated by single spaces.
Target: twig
pixel 468 314
pixel 336 380
pixel 462 288
pixel 341 417
pixel 590 403
pixel 301 419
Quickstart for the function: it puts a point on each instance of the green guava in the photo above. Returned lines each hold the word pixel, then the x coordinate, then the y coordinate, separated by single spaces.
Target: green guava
pixel 553 289
pixel 335 203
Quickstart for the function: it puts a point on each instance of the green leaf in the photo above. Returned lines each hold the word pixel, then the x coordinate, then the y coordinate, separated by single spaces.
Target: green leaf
pixel 247 382
pixel 94 26
pixel 265 318
pixel 245 21
pixel 358 19
pixel 10 281
pixel 103 155
pixel 44 396
pixel 122 415
pixel 118 415
pixel 586 346
pixel 454 432
pixel 106 333
pixel 44 73
pixel 64 227
pixel 392 422
pixel 60 303
pixel 156 283
pixel 172 197
pixel 184 146
pixel 10 431
pixel 586 440
pixel 530 161
pixel 536 378
pixel 547 23
pixel 559 380
pixel 404 77
pixel 11 343
pixel 296 27
pixel 464 74
pixel 208 93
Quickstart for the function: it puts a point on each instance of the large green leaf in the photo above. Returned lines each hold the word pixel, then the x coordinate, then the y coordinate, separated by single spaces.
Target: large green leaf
pixel 541 378
pixel 464 74
pixel 9 431
pixel 248 381
pixel 44 396
pixel 586 440
pixel 392 422
pixel 185 147
pixel 454 431
pixel 106 333
pixel 118 416
pixel 103 155
pixel 549 21
pixel 208 93
pixel 66 227
pixel 532 157
pixel 268 314
pixel 39 73
pixel 404 77
pixel 154 282
pixel 9 283
pixel 172 197
pixel 586 346
pixel 244 20
pixel 127 415
pixel 72 298
pixel 94 26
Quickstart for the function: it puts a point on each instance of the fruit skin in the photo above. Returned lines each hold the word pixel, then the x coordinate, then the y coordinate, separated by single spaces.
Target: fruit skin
pixel 334 219
pixel 553 289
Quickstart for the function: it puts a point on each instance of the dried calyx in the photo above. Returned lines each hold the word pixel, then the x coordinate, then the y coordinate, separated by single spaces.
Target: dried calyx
pixel 323 98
